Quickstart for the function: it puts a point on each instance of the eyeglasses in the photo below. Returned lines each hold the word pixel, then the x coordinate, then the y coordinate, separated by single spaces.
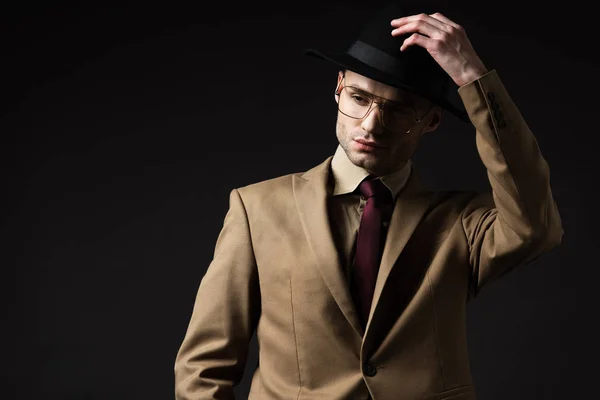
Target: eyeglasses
pixel 357 103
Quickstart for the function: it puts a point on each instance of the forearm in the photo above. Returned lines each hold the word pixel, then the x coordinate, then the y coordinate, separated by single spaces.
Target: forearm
pixel 518 173
pixel 523 221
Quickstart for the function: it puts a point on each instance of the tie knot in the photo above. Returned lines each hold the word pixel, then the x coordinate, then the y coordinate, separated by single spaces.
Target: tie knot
pixel 375 188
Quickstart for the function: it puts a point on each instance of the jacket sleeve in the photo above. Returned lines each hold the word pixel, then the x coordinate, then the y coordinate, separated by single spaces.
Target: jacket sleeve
pixel 212 357
pixel 518 221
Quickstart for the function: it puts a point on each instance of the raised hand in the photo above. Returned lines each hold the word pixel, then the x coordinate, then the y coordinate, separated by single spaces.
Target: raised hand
pixel 446 42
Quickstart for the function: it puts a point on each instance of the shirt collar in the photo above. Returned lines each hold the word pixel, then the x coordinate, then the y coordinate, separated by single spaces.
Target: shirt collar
pixel 347 176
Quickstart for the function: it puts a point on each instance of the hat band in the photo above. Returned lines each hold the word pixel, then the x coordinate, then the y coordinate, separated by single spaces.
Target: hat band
pixel 382 61
pixel 374 57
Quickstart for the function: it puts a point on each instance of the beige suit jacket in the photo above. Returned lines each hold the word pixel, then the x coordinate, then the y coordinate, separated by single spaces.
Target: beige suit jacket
pixel 276 270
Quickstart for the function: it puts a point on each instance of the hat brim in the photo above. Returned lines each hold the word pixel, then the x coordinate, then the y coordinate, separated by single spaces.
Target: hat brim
pixel 347 61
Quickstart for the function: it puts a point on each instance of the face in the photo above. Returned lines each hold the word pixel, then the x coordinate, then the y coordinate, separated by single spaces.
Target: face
pixel 367 142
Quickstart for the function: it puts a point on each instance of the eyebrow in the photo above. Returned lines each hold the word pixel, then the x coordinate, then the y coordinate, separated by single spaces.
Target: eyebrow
pixel 409 102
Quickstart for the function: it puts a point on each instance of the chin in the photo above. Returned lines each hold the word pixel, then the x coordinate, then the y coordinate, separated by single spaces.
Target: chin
pixel 368 162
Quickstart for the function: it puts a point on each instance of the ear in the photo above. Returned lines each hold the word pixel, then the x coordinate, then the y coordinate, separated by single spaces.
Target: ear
pixel 435 120
pixel 339 79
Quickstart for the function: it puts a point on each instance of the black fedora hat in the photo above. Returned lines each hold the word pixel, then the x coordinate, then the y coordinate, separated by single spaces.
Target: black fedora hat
pixel 376 54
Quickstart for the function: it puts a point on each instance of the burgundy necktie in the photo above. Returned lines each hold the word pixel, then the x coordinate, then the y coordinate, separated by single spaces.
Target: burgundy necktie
pixel 369 244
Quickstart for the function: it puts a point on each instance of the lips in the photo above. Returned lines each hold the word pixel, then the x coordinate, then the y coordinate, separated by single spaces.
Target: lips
pixel 368 143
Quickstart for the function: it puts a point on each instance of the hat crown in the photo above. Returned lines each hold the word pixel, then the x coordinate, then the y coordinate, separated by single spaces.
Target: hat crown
pixel 414 61
pixel 377 30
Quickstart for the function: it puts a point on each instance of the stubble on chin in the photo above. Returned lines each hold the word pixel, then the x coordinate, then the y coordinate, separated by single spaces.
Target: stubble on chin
pixel 359 159
pixel 367 161
pixel 382 164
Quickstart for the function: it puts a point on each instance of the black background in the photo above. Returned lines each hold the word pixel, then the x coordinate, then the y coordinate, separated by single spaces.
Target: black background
pixel 124 128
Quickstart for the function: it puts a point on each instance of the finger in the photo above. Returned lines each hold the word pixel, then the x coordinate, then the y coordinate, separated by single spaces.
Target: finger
pixel 418 26
pixel 420 40
pixel 444 19
pixel 419 17
pixel 414 39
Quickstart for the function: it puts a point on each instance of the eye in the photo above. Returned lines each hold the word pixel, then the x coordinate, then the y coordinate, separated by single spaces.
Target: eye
pixel 359 99
pixel 401 111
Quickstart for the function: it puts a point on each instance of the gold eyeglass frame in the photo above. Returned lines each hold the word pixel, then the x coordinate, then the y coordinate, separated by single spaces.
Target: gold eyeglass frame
pixel 381 103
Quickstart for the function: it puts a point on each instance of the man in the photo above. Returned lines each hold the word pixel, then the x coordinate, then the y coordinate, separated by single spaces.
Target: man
pixel 355 277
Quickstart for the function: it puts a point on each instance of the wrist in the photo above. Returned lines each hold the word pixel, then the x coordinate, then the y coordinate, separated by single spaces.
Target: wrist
pixel 471 75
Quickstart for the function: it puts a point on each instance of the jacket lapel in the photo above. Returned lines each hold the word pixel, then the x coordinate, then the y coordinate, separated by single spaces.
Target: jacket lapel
pixel 310 193
pixel 410 207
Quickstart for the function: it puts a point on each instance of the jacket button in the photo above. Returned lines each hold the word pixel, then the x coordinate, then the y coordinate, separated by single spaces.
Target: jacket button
pixel 370 370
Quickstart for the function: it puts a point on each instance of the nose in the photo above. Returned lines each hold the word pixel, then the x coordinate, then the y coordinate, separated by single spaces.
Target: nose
pixel 372 121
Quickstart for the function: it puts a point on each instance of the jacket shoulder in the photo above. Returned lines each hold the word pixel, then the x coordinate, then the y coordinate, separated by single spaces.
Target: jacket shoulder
pixel 264 187
pixel 268 195
pixel 280 187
